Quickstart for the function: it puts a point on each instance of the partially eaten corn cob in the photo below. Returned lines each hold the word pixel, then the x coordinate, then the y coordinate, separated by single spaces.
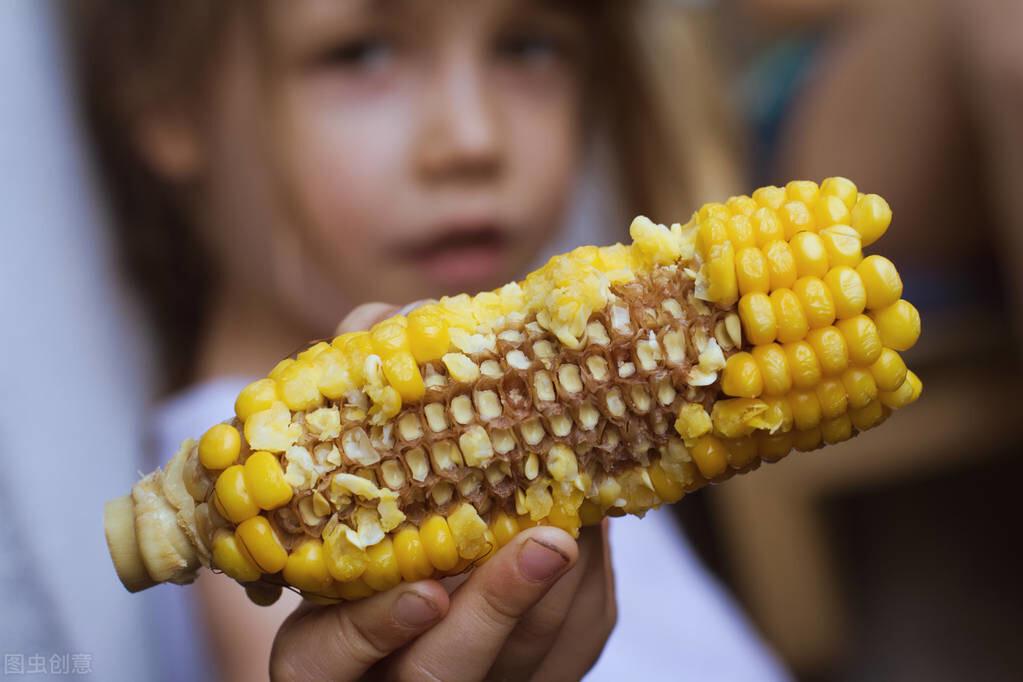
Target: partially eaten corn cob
pixel 610 381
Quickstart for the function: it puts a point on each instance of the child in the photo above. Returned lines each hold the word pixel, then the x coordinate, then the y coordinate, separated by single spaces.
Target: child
pixel 272 165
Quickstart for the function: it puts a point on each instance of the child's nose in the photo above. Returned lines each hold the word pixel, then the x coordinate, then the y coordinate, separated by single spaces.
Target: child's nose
pixel 460 134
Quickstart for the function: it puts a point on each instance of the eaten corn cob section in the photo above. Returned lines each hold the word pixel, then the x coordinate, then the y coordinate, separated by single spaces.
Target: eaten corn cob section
pixel 610 381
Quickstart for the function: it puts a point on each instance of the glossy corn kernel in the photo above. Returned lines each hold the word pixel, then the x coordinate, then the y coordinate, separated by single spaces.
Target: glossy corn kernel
pixel 803 364
pixel 805 441
pixel 439 543
pixel 264 481
pixel 831 210
pixel 867 416
pixel 781 265
pixel 889 371
pixel 789 315
pixel 833 398
pixel 256 397
pixel 413 563
pixel 759 325
pixel 773 447
pixel 766 227
pixel 741 377
pixel 847 291
pixel 806 409
pixel 751 271
pixel 809 254
pixel 403 374
pixel 870 217
pixel 668 489
pixel 262 544
pixel 796 217
pixel 382 571
pixel 770 197
pixel 859 387
pixel 219 447
pixel 774 368
pixel 842 245
pixel 710 456
pixel 831 349
pixel 742 452
pixel 898 325
pixel 841 188
pixel 862 339
pixel 427 334
pixel 233 497
pixel 816 301
pixel 306 568
pixel 880 280
pixel 390 337
pixel 505 527
pixel 723 286
pixel 298 385
pixel 231 558
pixel 837 429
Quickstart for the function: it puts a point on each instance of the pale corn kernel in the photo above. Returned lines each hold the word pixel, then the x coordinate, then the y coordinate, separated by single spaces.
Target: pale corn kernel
pixel 532 431
pixel 674 347
pixel 626 369
pixel 722 286
pixel 538 500
pixel 597 335
pixel 640 397
pixel 418 464
pixel 468 530
pixel 409 426
pixel 543 350
pixel 477 450
pixel 436 417
pixel 562 464
pixel 543 387
pixel 358 448
pixel 488 405
pixel 393 474
pixel 596 365
pixel 517 360
pixel 666 392
pixel 461 409
pixel 491 369
pixel 531 467
pixel 445 456
pixel 614 402
pixel 560 425
pixel 670 306
pixel 737 417
pixel 569 378
pixel 471 483
pixel 589 416
pixel 461 367
pixel 442 492
pixel 722 337
pixel 497 472
pixel 503 440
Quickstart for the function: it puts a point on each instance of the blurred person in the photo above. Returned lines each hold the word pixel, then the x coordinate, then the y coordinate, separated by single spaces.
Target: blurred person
pixel 273 166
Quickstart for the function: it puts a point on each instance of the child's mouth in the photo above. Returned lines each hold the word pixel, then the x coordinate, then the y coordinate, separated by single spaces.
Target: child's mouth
pixel 460 257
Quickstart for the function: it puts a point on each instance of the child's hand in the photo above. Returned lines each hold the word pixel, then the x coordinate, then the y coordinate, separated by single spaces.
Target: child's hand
pixel 542 607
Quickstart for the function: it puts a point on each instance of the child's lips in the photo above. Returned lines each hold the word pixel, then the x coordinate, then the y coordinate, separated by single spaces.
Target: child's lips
pixel 460 258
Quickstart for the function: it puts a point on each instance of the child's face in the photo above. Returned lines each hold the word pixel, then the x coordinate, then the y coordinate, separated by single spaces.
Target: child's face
pixel 424 146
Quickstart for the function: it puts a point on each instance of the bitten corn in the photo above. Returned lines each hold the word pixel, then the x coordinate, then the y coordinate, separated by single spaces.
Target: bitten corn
pixel 612 380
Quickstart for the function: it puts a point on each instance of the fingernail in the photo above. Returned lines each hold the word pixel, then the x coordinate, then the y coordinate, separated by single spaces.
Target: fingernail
pixel 540 562
pixel 414 611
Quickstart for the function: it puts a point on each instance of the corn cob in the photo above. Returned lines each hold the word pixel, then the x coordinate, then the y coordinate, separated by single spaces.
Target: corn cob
pixel 610 381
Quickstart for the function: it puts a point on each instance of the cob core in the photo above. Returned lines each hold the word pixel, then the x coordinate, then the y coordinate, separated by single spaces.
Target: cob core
pixel 610 381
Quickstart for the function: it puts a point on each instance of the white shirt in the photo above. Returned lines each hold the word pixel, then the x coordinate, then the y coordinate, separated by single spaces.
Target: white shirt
pixel 674 620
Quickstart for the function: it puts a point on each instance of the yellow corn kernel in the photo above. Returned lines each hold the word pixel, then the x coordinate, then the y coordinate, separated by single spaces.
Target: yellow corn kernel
pixel 590 514
pixel 805 441
pixel 815 298
pixel 880 280
pixel 382 572
pixel 230 557
pixel 781 264
pixel 410 553
pixel 868 416
pixel 427 334
pixel 354 590
pixel 831 210
pixel 467 528
pixel 871 217
pixel 279 368
pixel 233 496
pixel 751 271
pixel 490 545
pixel 803 364
pixel 837 429
pixel 778 414
pixel 847 290
pixel 345 561
pixel 758 320
pixel 791 320
pixel 843 246
pixel 898 325
pixel 806 409
pixel 767 227
pixel 264 480
pixel 831 349
pixel 796 217
pixel 306 568
pixel 770 197
pixel 389 337
pixel 774 368
pixel 741 451
pixel 262 544
pixel 900 397
pixel 862 339
pixel 773 447
pixel 722 286
pixel 710 456
pixel 833 398
pixel 505 527
pixel 738 417
pixel 740 232
pixel 810 256
pixel 256 397
pixel 916 385
pixel 842 188
pixel 667 488
pixel 438 543
pixel 693 421
pixel 859 386
pixel 567 519
pixel 335 379
pixel 889 370
pixel 806 191
pixel 741 205
pixel 402 373
pixel 219 447
pixel 299 387
pixel 712 232
pixel 356 346
pixel 741 377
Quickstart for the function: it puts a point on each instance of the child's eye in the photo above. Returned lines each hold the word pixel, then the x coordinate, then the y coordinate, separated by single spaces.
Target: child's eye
pixel 533 48
pixel 362 53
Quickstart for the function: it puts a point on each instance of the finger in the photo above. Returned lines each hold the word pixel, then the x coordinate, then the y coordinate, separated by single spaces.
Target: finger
pixel 364 317
pixel 535 634
pixel 486 609
pixel 341 642
pixel 589 624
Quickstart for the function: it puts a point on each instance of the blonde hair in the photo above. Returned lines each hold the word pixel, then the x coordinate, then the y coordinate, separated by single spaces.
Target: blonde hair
pixel 658 99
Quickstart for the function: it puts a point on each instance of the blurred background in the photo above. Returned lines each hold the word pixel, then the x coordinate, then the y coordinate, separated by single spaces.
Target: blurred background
pixel 893 556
